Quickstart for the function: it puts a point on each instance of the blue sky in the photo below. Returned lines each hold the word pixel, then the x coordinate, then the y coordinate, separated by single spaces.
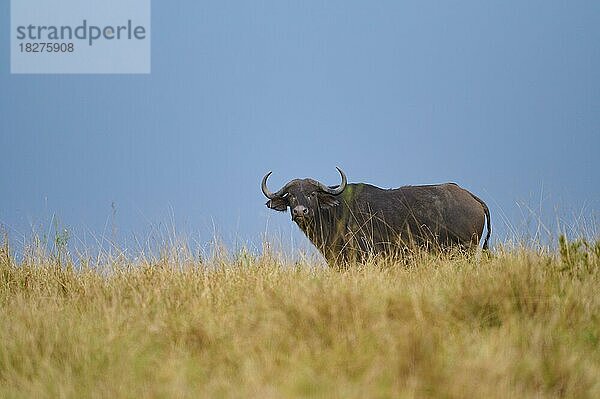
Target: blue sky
pixel 500 97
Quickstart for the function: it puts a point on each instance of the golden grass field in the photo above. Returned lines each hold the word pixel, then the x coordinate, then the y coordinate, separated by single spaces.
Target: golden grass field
pixel 519 323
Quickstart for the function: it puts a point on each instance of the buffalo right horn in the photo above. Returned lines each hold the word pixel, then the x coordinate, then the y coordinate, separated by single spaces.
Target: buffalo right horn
pixel 269 194
pixel 265 190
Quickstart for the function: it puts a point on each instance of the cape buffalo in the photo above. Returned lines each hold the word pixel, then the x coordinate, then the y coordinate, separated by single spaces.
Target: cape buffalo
pixel 351 222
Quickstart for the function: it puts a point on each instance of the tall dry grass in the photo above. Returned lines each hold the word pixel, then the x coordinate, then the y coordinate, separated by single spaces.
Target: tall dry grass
pixel 514 324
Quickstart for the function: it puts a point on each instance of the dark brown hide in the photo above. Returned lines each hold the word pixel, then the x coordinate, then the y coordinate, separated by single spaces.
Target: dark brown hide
pixel 365 220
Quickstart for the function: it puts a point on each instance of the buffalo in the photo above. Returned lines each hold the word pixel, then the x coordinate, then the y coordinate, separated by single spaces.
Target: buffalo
pixel 356 221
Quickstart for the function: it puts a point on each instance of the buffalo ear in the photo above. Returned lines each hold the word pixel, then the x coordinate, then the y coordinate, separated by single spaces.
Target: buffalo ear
pixel 327 201
pixel 278 203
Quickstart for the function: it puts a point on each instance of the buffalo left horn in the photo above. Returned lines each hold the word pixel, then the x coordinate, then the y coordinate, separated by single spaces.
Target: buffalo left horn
pixel 334 191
